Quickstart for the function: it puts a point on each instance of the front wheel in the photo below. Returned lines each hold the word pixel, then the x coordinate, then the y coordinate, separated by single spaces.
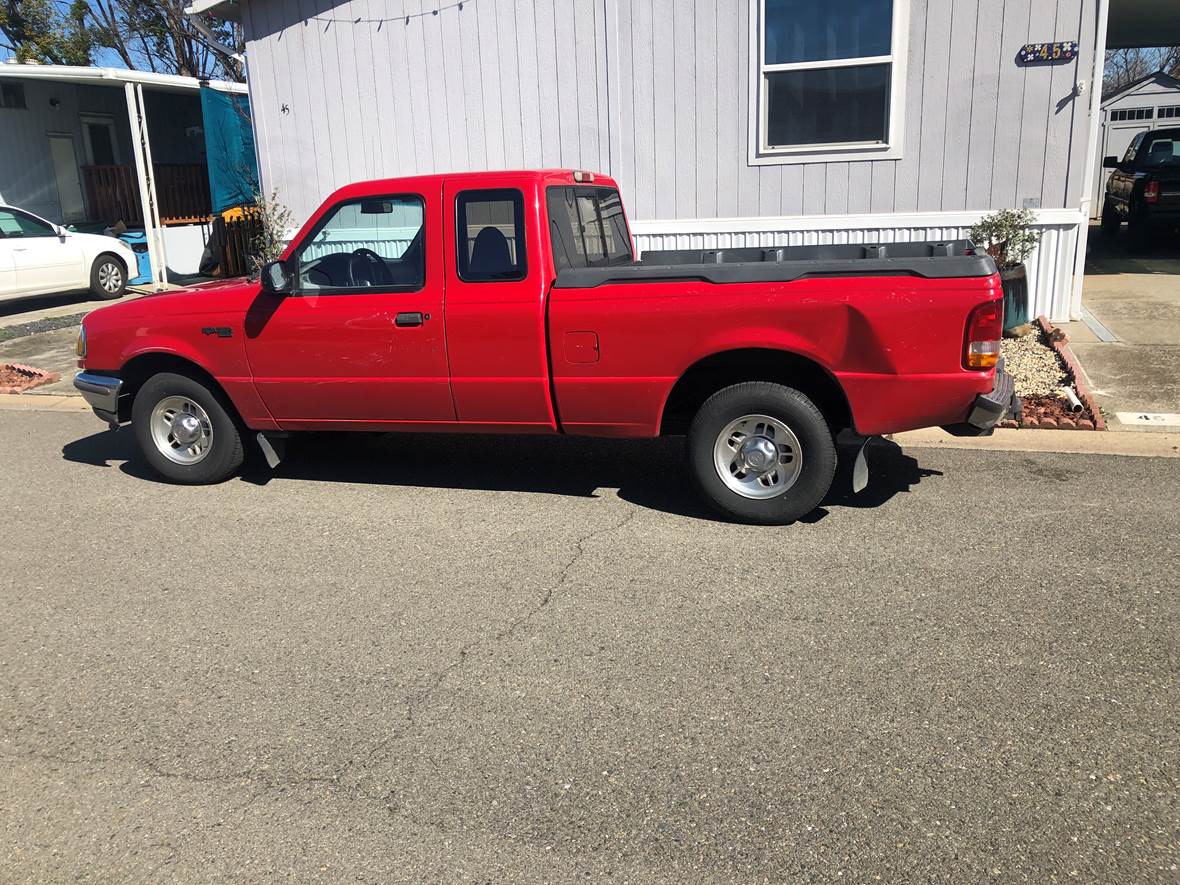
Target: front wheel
pixel 108 278
pixel 761 453
pixel 1110 220
pixel 185 431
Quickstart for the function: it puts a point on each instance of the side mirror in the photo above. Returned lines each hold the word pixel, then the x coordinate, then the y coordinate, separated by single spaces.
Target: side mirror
pixel 61 232
pixel 275 278
pixel 1110 162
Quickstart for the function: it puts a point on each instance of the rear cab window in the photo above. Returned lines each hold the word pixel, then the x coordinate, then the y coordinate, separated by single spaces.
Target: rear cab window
pixel 587 227
pixel 1160 149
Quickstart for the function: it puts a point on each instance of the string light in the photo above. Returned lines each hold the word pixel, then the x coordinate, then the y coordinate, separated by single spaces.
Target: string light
pixel 361 20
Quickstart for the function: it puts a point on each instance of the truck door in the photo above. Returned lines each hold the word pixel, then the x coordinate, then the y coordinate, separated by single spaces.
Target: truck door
pixel 360 338
pixel 496 335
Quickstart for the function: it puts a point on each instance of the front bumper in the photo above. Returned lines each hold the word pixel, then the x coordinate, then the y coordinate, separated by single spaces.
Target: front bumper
pixel 989 409
pixel 102 392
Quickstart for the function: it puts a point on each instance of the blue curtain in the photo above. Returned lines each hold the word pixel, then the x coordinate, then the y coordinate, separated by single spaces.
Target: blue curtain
pixel 229 149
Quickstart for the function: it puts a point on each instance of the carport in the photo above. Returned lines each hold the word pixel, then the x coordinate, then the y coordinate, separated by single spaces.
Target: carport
pixel 1129 338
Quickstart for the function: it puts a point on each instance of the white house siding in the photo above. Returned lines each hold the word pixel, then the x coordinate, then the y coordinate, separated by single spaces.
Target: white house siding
pixel 655 92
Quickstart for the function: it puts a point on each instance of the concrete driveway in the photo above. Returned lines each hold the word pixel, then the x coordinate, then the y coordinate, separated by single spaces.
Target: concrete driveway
pixel 450 659
pixel 1131 348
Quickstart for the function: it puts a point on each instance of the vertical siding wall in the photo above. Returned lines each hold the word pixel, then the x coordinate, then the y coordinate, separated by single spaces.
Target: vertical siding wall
pixel 656 93
pixel 27 176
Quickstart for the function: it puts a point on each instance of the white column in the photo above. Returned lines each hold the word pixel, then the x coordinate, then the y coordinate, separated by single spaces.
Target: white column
pixel 1079 264
pixel 141 147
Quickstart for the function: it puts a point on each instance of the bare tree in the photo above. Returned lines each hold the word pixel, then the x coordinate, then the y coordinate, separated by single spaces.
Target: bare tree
pixel 156 35
pixel 1125 66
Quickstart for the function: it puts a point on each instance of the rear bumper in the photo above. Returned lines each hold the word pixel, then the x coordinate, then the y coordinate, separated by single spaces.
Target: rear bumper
pixel 989 409
pixel 102 392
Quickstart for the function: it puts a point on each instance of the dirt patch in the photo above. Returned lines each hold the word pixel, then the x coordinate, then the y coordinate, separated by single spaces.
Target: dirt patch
pixel 17 378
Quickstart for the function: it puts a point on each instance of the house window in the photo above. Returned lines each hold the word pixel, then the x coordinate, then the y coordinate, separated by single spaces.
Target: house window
pixel 829 79
pixel 12 95
pixel 1169 112
pixel 1131 114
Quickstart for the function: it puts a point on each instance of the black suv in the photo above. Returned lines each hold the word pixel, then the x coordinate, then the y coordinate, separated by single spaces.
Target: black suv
pixel 1144 189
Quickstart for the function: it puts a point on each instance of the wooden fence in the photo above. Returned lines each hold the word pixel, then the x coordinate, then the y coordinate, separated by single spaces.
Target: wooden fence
pixel 112 193
pixel 239 238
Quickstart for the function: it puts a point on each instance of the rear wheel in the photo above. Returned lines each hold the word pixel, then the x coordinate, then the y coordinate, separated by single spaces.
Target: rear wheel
pixel 761 453
pixel 1110 220
pixel 185 430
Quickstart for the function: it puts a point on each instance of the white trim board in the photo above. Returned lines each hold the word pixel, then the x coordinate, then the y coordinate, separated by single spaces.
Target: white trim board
pixel 878 221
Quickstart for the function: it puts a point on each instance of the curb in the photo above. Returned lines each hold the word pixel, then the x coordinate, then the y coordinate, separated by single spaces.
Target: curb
pixel 1066 442
pixel 1059 341
pixel 42 402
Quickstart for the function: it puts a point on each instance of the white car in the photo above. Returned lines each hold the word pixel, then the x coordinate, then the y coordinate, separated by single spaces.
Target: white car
pixel 40 258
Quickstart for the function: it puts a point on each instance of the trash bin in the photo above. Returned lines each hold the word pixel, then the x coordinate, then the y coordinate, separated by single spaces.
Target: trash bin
pixel 137 240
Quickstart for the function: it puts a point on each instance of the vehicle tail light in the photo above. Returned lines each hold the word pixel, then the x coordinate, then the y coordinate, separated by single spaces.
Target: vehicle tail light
pixel 1151 193
pixel 985 326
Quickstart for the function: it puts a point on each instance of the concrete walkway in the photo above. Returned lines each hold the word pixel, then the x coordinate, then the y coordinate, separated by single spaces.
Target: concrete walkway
pixel 1134 300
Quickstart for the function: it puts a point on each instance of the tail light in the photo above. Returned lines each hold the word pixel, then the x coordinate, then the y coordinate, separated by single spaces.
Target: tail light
pixel 985 326
pixel 1151 193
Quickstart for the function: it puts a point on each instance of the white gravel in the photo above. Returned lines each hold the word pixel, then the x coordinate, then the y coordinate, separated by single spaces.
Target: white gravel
pixel 1034 365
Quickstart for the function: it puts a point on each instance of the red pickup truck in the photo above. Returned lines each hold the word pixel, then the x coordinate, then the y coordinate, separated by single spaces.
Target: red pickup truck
pixel 511 302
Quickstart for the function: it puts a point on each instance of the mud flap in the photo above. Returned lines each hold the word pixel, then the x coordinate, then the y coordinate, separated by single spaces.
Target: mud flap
pixel 272 449
pixel 860 468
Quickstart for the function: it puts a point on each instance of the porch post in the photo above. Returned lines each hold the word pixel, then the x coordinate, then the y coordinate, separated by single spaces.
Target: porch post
pixel 1079 264
pixel 149 205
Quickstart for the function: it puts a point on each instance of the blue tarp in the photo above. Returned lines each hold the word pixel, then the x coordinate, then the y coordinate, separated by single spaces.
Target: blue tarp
pixel 229 149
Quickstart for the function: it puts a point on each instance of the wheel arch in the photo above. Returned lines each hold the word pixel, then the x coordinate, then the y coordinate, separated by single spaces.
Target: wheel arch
pixel 712 373
pixel 139 368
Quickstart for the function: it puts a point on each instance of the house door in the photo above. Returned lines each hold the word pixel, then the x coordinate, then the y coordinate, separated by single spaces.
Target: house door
pixel 69 183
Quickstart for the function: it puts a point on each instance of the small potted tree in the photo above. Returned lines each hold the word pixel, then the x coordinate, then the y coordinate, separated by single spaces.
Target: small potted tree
pixel 1008 237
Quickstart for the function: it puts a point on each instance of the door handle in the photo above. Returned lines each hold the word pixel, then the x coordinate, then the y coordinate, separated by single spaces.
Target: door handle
pixel 410 319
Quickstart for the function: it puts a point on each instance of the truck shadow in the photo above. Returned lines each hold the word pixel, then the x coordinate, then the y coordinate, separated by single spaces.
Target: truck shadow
pixel 648 473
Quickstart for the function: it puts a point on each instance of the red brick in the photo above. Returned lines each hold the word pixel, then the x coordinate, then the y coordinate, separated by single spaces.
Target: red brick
pixel 1085 424
pixel 1066 424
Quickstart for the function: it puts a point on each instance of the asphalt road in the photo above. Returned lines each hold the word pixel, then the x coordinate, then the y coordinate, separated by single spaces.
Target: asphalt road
pixel 503 660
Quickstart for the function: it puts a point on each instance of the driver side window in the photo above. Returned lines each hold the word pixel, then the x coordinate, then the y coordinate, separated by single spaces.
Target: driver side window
pixel 373 244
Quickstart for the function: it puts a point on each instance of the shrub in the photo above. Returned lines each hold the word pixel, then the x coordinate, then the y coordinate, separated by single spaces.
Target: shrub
pixel 1006 236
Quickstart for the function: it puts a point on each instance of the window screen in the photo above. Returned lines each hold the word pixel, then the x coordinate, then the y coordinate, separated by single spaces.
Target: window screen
pixel 588 227
pixel 490 236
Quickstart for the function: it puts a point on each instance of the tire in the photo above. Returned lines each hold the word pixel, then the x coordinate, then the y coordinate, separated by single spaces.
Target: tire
pixel 1110 220
pixel 108 277
pixel 166 399
pixel 1139 230
pixel 793 485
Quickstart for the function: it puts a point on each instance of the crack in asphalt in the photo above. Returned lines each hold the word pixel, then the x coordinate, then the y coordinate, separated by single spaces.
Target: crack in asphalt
pixel 412 704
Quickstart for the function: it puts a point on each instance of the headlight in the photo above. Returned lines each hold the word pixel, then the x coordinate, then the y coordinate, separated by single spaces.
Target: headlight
pixel 80 347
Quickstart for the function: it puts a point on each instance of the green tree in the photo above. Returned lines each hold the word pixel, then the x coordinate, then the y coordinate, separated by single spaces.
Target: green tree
pixel 46 31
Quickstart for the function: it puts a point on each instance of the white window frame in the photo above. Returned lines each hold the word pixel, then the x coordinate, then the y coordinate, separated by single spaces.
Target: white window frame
pixel 760 152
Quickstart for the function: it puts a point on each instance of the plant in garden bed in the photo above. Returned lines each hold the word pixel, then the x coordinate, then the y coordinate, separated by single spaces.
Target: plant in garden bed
pixel 274 222
pixel 1008 237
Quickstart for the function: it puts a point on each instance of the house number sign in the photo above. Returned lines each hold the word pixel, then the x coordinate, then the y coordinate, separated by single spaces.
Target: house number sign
pixel 1037 53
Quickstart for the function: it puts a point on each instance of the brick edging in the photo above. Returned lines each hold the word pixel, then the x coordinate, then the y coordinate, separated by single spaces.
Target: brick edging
pixel 38 377
pixel 1059 341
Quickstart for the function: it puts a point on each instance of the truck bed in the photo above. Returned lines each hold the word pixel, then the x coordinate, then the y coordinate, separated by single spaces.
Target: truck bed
pixel 930 260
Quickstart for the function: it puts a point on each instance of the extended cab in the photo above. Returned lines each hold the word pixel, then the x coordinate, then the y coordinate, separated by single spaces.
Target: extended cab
pixel 511 302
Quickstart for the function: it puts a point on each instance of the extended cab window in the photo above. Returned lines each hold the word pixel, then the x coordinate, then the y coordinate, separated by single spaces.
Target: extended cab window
pixel 489 235
pixel 373 243
pixel 17 224
pixel 588 227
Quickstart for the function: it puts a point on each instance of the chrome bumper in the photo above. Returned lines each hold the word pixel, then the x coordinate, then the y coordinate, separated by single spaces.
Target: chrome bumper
pixel 102 393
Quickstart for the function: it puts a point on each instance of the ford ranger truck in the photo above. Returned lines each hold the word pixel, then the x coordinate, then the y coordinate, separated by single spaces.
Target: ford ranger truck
pixel 512 302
